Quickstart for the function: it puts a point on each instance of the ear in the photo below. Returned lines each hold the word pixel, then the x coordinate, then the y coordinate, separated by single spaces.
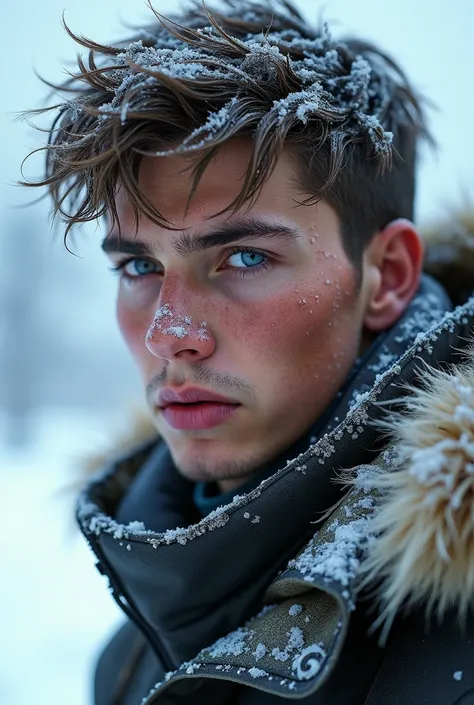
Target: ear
pixel 393 263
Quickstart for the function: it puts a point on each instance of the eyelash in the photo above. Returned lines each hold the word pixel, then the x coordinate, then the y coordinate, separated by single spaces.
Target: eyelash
pixel 118 269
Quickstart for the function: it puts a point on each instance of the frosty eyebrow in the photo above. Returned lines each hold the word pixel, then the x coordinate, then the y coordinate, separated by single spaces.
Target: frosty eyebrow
pixel 186 244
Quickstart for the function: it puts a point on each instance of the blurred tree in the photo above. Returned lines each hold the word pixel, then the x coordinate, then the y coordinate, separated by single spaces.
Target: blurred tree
pixel 21 269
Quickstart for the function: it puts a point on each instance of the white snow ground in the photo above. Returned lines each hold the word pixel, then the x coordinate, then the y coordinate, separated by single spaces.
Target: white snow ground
pixel 55 609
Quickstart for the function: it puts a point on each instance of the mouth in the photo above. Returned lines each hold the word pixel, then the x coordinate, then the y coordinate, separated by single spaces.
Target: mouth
pixel 198 415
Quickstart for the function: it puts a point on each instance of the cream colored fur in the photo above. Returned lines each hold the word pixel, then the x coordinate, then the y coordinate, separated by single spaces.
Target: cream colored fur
pixel 138 430
pixel 424 551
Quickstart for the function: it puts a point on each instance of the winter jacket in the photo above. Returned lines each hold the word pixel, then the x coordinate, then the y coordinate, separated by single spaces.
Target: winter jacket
pixel 346 578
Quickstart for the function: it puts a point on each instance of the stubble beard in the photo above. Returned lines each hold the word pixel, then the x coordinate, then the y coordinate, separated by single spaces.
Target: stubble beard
pixel 237 471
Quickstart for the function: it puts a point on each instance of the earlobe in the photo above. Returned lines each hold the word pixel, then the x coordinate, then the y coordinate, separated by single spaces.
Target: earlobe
pixel 393 263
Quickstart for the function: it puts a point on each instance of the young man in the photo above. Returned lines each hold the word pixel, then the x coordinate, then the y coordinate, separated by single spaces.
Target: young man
pixel 257 180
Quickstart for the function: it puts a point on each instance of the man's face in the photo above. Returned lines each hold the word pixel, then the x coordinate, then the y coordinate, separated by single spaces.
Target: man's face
pixel 261 308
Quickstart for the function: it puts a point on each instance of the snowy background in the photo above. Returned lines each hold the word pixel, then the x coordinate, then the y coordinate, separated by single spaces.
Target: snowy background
pixel 65 377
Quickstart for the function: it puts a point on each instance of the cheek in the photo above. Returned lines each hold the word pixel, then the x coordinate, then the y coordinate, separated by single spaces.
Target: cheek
pixel 135 308
pixel 133 327
pixel 276 329
pixel 301 330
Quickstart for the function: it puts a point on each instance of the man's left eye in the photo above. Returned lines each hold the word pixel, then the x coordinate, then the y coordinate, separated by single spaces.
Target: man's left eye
pixel 246 258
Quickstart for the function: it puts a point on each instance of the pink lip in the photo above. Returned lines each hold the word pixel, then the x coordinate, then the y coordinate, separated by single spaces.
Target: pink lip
pixel 195 409
pixel 192 395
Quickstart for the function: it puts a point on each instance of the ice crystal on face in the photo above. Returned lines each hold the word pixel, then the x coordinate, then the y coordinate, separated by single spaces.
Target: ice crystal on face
pixel 201 331
pixel 177 331
pixel 163 312
pixel 166 322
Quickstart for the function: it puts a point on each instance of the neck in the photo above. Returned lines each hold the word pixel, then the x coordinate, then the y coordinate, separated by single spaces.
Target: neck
pixel 233 483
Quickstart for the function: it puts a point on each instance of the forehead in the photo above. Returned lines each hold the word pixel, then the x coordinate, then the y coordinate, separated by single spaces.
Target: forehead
pixel 167 183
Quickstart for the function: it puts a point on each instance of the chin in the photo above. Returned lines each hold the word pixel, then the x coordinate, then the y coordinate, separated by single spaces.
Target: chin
pixel 198 468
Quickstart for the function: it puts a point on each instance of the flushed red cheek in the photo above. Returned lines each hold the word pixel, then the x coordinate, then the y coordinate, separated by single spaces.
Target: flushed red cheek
pixel 133 327
pixel 278 326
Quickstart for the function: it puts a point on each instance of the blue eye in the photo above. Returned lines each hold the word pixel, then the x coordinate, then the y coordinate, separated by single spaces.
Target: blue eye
pixel 139 267
pixel 246 259
pixel 134 268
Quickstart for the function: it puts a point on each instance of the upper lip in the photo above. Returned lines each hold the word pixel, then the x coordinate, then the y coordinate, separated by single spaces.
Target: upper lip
pixel 191 395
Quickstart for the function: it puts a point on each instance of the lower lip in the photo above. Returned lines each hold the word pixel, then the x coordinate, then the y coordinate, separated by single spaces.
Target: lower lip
pixel 197 416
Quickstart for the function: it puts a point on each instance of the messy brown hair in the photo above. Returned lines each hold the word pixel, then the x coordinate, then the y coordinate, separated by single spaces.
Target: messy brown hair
pixel 189 83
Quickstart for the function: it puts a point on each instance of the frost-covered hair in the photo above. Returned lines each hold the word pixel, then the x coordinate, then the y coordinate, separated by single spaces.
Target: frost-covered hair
pixel 189 83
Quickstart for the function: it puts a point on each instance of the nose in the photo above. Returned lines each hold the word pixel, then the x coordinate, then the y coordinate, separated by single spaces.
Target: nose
pixel 174 336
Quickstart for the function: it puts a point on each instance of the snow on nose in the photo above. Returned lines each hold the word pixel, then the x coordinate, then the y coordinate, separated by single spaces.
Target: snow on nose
pixel 166 322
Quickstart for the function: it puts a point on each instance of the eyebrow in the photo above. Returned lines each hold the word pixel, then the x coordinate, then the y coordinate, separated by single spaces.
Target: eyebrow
pixel 186 244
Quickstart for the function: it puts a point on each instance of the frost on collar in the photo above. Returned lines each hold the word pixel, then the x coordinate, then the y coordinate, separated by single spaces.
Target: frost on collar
pixel 328 81
pixel 291 646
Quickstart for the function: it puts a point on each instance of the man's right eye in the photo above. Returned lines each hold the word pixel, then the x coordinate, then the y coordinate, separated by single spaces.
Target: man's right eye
pixel 135 268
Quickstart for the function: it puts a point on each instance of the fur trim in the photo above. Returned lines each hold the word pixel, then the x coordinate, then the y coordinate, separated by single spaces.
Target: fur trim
pixel 449 255
pixel 138 431
pixel 424 552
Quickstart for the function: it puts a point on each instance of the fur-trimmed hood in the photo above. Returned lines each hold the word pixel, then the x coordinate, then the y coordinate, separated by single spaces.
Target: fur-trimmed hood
pixel 424 550
pixel 449 254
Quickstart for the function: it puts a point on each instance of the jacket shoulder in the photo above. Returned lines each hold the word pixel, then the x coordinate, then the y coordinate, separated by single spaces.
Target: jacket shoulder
pixel 126 669
pixel 426 662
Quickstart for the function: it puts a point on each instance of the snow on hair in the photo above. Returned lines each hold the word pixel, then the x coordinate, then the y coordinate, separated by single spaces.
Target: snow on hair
pixel 188 84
